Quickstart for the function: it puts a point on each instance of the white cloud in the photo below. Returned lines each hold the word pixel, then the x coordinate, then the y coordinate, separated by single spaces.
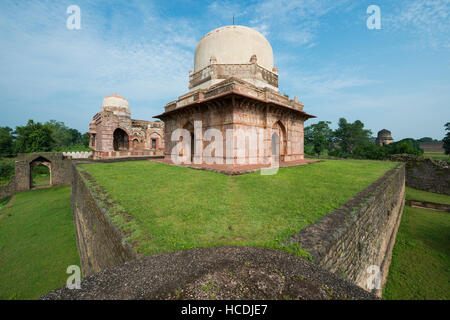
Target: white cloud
pixel 295 22
pixel 42 62
pixel 328 81
pixel 428 20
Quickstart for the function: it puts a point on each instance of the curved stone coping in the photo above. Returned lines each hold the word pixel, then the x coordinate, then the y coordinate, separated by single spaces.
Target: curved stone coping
pixel 428 205
pixel 215 273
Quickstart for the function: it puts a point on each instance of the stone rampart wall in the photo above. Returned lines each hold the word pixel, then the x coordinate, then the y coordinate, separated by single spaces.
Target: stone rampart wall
pixel 361 233
pixel 425 174
pixel 100 244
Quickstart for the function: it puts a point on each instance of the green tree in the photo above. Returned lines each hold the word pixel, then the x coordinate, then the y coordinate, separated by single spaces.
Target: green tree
pixel 446 139
pixel 6 141
pixel 408 145
pixel 369 150
pixel 34 137
pixel 319 136
pixel 85 140
pixel 426 139
pixel 65 138
pixel 350 135
pixel 61 134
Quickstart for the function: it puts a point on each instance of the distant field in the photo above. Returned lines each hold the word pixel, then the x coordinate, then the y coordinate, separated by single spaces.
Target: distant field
pixel 434 150
pixel 431 146
pixel 37 243
pixel 437 155
pixel 421 255
pixel 175 208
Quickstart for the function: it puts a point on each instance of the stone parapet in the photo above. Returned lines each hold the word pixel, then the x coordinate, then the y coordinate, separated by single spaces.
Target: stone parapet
pixel 238 87
pixel 425 174
pixel 250 72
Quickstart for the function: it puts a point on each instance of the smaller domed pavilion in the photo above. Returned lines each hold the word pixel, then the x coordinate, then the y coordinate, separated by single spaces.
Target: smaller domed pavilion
pixel 113 134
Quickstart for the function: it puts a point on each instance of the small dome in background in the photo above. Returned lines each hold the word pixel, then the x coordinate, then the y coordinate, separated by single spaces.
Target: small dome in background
pixel 233 45
pixel 384 133
pixel 117 105
pixel 115 100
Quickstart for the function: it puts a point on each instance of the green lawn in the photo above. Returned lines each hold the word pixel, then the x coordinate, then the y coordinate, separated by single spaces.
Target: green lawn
pixel 37 243
pixel 41 176
pixel 41 180
pixel 419 195
pixel 173 208
pixel 420 267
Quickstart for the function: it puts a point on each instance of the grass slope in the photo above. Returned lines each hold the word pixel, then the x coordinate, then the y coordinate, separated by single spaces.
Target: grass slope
pixel 37 243
pixel 419 195
pixel 421 257
pixel 174 208
pixel 4 202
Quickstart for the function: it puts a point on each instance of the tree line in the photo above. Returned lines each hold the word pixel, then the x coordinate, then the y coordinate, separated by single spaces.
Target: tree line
pixel 349 140
pixel 41 137
pixel 352 140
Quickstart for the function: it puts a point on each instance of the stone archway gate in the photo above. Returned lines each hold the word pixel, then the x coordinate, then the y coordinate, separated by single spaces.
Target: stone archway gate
pixel 60 169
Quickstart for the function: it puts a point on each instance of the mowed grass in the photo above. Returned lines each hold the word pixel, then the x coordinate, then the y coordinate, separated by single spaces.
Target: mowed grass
pixel 37 243
pixel 420 267
pixel 419 195
pixel 41 180
pixel 175 208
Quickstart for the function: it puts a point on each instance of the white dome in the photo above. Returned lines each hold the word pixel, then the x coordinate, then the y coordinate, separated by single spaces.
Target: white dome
pixel 115 100
pixel 233 45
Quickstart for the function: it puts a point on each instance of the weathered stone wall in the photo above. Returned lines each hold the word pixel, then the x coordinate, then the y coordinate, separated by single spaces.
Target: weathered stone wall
pixel 361 233
pixel 425 174
pixel 100 244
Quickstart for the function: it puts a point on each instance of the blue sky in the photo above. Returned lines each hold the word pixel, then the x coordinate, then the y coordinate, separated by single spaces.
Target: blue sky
pixel 396 78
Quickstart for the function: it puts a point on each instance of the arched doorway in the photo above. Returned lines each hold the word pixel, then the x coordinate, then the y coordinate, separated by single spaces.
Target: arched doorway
pixel 136 145
pixel 40 172
pixel 275 146
pixel 155 140
pixel 121 142
pixel 279 141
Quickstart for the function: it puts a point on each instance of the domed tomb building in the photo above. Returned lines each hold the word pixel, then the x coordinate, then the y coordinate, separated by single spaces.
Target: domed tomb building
pixel 113 134
pixel 233 90
pixel 384 137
